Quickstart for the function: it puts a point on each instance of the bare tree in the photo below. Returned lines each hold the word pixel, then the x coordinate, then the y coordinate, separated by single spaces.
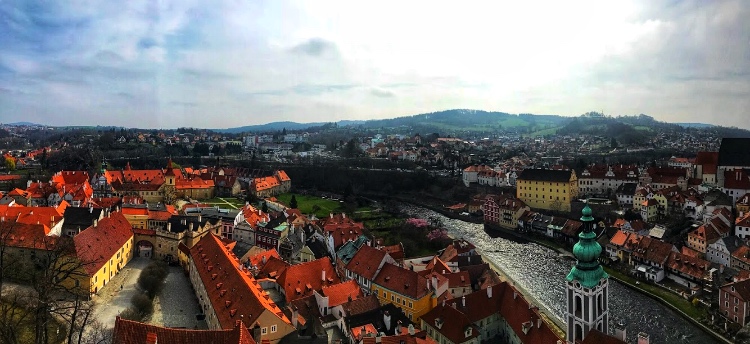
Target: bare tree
pixel 54 278
pixel 14 316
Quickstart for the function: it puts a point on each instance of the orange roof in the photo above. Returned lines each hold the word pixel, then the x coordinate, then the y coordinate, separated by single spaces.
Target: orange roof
pixel 343 292
pixel 70 177
pixel 265 183
pixel 366 261
pixel 257 259
pixel 283 176
pixel 403 281
pixel 47 216
pixel 26 235
pixel 194 183
pixel 97 245
pixel 218 269
pixel 135 211
pixel 133 332
pixel 300 280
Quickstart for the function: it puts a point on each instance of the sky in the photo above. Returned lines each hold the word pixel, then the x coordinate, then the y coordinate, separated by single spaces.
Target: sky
pixel 228 63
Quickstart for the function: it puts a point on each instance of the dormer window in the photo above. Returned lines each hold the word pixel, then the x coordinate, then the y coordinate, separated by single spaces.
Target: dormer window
pixel 467 333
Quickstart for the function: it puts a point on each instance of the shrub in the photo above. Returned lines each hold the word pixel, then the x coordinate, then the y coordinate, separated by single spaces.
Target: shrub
pixel 142 304
pixel 151 278
pixel 131 314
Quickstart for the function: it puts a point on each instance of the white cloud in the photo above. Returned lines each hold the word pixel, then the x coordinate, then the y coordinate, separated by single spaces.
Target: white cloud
pixel 235 63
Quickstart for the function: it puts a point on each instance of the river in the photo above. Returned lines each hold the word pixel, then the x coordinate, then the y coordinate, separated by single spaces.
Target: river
pixel 541 272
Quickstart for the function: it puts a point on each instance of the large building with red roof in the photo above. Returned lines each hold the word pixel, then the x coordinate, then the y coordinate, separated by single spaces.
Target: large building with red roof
pixel 272 185
pixel 103 250
pixel 300 280
pixel 134 332
pixel 227 292
pixel 498 313
pixel 154 186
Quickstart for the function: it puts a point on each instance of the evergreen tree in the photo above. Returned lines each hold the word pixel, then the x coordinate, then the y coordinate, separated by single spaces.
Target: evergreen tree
pixel 293 202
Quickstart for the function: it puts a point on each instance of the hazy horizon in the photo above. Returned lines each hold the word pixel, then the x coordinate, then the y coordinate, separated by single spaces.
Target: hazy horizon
pixel 227 64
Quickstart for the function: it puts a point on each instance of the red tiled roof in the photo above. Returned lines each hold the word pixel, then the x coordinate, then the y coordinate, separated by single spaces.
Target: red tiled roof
pixel 48 216
pixel 97 245
pixel 257 259
pixel 133 332
pixel 741 289
pixel 691 266
pixel 737 179
pixel 24 235
pixel 403 281
pixel 296 278
pixel 619 238
pixel 135 211
pixel 265 183
pixel 283 176
pixel 361 305
pixel 273 267
pixel 341 293
pixel 70 177
pixel 395 251
pixel 709 160
pixel 219 272
pixel 366 261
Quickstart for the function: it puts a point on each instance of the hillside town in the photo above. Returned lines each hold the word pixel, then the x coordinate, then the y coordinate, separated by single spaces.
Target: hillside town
pixel 259 270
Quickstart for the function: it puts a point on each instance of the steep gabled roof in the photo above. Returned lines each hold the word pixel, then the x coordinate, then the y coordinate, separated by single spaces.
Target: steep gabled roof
pixel 741 289
pixel 231 289
pixel 366 261
pixel 341 293
pixel 96 245
pixel 133 332
pixel 301 279
pixel 403 281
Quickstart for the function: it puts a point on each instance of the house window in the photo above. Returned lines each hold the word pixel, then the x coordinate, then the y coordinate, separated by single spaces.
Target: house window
pixel 393 298
pixel 264 330
pixel 411 305
pixel 273 328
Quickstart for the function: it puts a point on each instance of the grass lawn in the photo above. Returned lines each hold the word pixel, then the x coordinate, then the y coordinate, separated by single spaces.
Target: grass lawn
pixel 543 132
pixel 672 298
pixel 305 204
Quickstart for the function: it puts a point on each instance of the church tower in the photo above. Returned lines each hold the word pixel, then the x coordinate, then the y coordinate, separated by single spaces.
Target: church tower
pixel 587 285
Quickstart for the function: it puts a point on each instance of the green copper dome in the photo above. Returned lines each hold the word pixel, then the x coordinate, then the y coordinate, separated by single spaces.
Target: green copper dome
pixel 587 249
pixel 586 214
pixel 587 270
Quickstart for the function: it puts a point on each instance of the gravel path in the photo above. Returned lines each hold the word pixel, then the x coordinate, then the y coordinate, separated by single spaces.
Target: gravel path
pixel 110 300
pixel 176 305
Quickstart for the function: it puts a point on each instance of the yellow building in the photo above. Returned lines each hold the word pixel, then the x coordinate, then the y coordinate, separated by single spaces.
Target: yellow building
pixel 103 250
pixel 405 289
pixel 137 215
pixel 547 189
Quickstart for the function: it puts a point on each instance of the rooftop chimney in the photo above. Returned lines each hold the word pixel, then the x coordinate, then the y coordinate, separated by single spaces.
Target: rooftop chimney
pixel 96 222
pixel 151 338
pixel 620 331
pixel 643 338
pixel 489 292
pixel 463 301
pixel 323 275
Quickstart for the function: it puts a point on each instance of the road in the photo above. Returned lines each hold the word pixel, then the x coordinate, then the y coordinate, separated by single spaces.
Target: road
pixel 111 301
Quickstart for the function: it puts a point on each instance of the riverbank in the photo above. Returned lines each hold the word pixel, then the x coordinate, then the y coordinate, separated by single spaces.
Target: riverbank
pixel 650 318
pixel 682 311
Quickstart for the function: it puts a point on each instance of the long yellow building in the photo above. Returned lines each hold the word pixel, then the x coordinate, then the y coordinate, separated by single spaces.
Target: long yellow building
pixel 103 249
pixel 547 189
